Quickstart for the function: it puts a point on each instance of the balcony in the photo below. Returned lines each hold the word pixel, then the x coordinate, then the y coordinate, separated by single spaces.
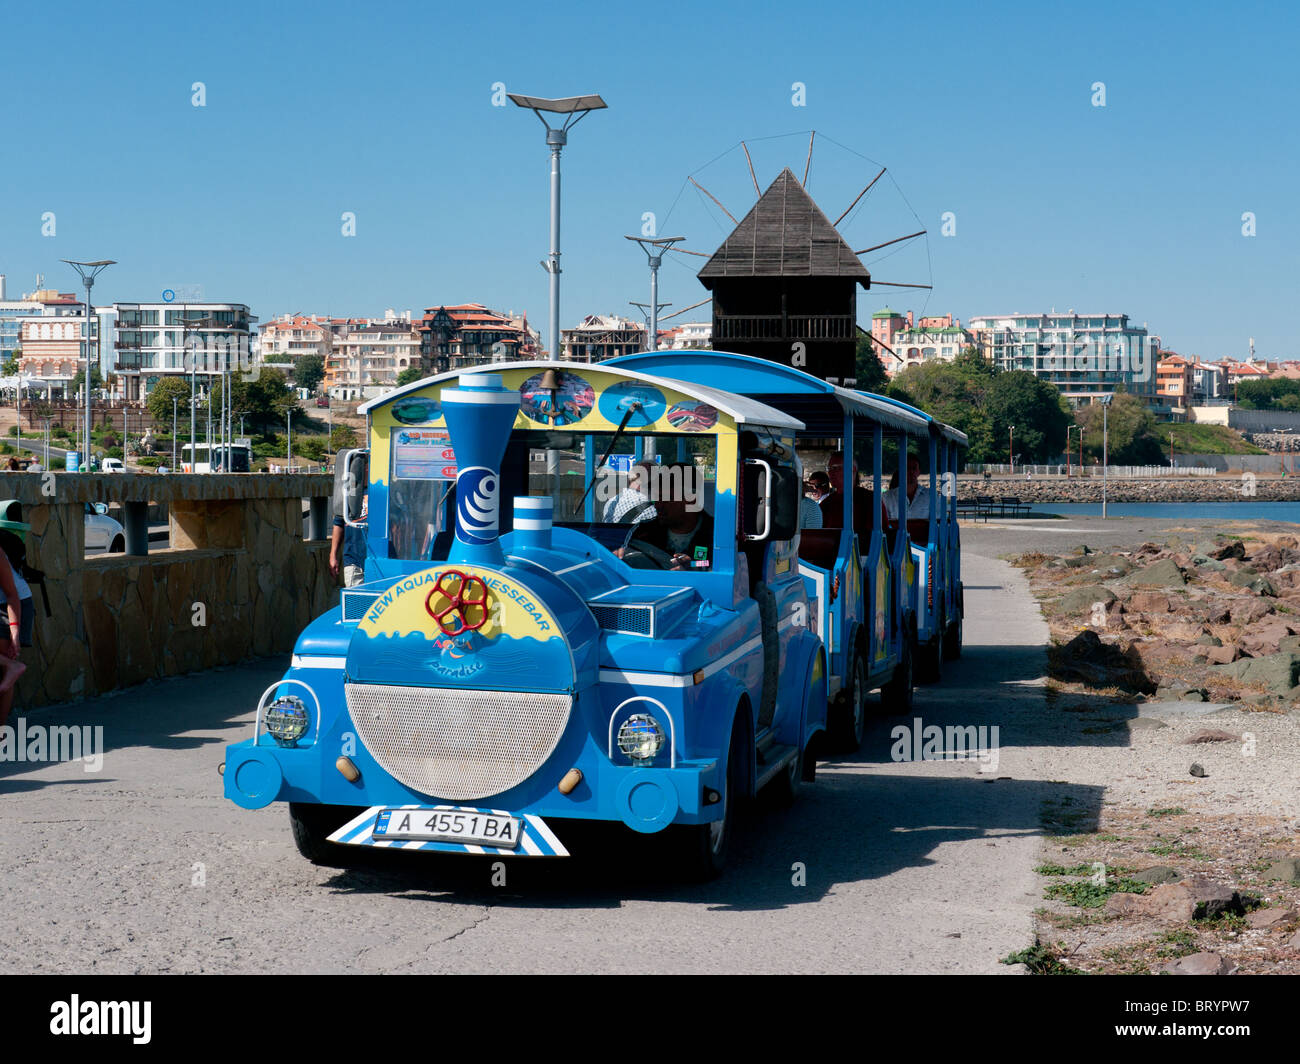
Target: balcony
pixel 793 327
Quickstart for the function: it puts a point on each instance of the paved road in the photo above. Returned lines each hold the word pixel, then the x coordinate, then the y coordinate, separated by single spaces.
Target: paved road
pixel 910 867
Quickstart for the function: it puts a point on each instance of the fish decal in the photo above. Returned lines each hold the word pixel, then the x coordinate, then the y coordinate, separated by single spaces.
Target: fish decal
pixel 416 410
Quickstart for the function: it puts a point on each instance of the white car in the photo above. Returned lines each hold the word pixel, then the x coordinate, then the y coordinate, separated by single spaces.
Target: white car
pixel 102 532
pixel 112 465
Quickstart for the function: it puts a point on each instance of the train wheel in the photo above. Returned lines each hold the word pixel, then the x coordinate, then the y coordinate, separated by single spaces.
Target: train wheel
pixel 929 668
pixel 849 719
pixel 312 826
pixel 896 695
pixel 952 641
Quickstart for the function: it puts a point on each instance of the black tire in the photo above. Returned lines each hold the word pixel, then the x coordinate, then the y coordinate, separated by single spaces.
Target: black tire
pixel 929 659
pixel 312 826
pixel 896 695
pixel 952 641
pixel 117 546
pixel 702 848
pixel 784 787
pixel 848 722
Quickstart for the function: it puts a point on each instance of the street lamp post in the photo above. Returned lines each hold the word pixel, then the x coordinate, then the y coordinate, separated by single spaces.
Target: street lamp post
pixel 1011 442
pixel 654 249
pixel 1105 451
pixel 175 400
pixel 1172 463
pixel 88 271
pixel 289 438
pixel 575 108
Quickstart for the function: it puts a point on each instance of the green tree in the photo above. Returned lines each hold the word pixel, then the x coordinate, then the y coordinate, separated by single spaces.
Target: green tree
pixel 870 371
pixel 263 401
pixel 412 374
pixel 1034 407
pixel 343 437
pixel 309 371
pixel 1271 394
pixel 160 398
pixel 1130 428
pixel 10 366
pixel 96 380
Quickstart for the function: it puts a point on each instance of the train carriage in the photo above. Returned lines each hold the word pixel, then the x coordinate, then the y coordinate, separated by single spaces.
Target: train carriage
pixel 533 645
pixel 887 605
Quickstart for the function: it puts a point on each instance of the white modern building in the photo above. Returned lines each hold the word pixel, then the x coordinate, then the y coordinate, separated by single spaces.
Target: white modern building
pixel 1085 355
pixel 150 341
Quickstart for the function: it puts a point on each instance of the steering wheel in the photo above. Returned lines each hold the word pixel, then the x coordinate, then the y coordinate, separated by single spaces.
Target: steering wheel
pixel 661 558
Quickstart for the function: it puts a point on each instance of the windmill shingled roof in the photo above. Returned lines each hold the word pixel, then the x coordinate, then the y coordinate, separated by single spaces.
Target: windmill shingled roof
pixel 785 234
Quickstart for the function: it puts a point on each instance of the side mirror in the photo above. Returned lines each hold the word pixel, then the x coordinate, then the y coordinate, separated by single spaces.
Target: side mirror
pixel 101 508
pixel 351 477
pixel 772 495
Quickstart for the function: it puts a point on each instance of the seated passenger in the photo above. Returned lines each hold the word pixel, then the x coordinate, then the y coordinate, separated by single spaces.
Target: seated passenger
pixel 832 506
pixel 632 503
pixel 918 497
pixel 810 514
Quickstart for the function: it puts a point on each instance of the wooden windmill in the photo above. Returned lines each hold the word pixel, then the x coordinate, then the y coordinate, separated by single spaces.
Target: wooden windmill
pixel 784 283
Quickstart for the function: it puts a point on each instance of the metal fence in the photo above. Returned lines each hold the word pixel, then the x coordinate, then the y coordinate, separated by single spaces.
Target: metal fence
pixel 1092 470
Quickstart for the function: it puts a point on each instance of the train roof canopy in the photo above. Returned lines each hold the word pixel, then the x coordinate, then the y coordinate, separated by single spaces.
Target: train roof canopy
pixel 740 408
pixel 819 405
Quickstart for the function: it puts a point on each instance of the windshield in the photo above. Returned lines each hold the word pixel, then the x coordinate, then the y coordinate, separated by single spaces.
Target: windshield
pixel 663 483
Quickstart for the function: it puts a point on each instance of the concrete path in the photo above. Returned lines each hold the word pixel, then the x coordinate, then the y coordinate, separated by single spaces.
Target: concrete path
pixel 906 867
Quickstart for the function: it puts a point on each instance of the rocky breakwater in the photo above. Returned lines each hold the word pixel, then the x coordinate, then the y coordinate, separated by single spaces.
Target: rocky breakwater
pixel 1215 620
pixel 1244 488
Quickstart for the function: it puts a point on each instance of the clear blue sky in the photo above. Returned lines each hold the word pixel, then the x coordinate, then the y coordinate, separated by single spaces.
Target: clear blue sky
pixel 985 111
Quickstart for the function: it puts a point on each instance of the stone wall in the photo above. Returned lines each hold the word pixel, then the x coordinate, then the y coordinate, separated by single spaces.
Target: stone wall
pixel 1244 488
pixel 238 581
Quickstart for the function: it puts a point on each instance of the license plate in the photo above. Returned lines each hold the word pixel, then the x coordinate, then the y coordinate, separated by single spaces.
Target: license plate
pixel 448 825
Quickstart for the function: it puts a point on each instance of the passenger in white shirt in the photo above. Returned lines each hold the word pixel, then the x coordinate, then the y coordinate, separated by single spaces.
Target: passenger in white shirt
pixel 918 497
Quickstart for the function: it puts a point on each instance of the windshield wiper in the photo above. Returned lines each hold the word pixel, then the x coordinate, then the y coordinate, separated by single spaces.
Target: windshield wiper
pixel 632 408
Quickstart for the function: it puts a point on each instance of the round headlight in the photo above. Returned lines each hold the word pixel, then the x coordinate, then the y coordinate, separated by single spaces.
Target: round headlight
pixel 286 719
pixel 640 737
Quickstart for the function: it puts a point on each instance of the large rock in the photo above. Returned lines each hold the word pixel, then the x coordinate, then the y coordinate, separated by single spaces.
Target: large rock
pixel 1157 874
pixel 1278 673
pixel 1287 869
pixel 1235 549
pixel 1149 602
pixel 1265 636
pixel 1086 659
pixel 1222 655
pixel 1164 573
pixel 1270 919
pixel 1170 903
pixel 1200 964
pixel 1213 898
pixel 1082 599
pixel 1248 611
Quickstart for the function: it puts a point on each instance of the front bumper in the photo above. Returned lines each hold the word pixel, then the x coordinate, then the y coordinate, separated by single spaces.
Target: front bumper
pixel 646 800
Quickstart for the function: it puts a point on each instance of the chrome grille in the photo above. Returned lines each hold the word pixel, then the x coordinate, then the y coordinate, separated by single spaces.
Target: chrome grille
pixel 634 620
pixel 454 743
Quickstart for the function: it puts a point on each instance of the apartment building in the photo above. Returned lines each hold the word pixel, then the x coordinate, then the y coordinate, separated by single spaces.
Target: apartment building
pixel 372 354
pixel 150 341
pixel 1085 355
pixel 469 334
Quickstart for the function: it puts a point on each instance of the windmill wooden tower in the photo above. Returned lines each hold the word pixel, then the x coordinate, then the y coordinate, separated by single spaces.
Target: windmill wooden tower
pixel 784 283
pixel 785 277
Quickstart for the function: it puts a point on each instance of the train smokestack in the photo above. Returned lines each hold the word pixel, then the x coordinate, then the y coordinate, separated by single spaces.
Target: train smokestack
pixel 480 412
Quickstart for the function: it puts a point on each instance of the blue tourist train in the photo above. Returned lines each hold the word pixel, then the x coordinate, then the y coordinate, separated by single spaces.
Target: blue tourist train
pixel 590 595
